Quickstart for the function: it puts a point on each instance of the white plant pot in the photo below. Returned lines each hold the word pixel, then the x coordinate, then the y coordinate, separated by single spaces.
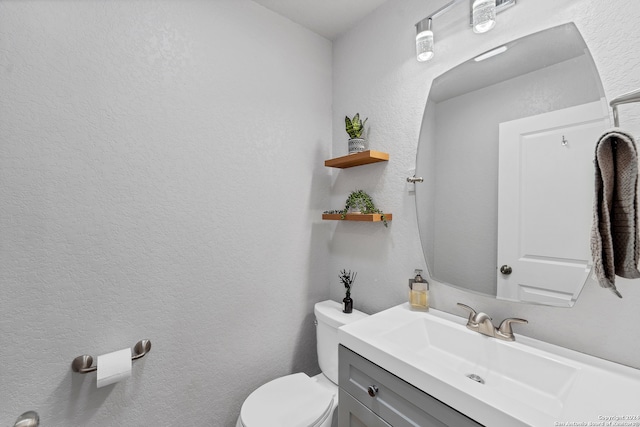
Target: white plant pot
pixel 356 145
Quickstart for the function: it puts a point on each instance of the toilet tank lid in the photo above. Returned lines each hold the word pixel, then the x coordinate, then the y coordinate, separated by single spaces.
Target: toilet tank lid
pixel 330 312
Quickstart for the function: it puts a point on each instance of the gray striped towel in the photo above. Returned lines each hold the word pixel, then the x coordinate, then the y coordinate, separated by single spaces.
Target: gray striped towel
pixel 614 234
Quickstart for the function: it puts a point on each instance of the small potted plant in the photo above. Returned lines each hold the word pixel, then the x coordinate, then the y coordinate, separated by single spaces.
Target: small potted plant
pixel 347 279
pixel 360 202
pixel 354 128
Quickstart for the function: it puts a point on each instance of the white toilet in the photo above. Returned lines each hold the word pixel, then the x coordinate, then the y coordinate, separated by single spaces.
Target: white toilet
pixel 297 400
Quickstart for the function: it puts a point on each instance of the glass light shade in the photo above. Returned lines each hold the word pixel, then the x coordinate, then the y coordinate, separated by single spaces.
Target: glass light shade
pixel 484 15
pixel 424 45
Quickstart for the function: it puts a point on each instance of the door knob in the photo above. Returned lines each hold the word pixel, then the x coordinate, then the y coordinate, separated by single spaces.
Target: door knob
pixel 505 269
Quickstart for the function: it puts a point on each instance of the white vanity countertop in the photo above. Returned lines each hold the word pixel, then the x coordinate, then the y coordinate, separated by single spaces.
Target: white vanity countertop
pixel 528 382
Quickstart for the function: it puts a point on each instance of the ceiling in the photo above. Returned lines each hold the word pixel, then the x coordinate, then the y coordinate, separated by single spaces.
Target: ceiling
pixel 329 18
pixel 524 55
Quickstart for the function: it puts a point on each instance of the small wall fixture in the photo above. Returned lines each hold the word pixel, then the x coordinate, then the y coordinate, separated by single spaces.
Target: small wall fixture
pixel 483 15
pixel 424 40
pixel 482 18
pixel 492 52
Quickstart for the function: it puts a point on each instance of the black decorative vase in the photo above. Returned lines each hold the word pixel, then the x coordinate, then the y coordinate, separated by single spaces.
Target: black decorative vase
pixel 347 305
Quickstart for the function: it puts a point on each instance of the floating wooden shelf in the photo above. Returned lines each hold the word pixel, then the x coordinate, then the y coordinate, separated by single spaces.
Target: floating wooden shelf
pixel 357 159
pixel 358 217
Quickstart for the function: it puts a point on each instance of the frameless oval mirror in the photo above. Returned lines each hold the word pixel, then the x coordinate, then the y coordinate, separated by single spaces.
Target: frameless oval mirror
pixel 506 153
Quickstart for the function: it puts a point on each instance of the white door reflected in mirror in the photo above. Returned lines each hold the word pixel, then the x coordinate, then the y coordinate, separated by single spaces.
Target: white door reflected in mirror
pixel 545 196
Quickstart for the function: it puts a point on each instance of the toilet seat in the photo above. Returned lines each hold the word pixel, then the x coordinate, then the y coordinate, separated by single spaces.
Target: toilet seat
pixel 290 401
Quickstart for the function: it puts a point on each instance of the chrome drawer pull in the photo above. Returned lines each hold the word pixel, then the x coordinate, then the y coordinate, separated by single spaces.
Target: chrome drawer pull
pixel 372 390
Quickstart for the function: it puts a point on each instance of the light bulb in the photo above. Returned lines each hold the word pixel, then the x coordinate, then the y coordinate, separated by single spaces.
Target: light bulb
pixel 424 45
pixel 484 15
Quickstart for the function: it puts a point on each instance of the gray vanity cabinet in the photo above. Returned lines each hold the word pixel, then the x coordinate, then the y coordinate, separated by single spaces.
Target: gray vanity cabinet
pixel 373 397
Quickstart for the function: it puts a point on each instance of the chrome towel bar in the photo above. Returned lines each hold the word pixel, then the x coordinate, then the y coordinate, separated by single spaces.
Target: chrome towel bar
pixel 83 364
pixel 627 98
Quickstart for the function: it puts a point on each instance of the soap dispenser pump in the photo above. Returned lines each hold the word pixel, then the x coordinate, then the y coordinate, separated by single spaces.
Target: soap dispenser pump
pixel 418 292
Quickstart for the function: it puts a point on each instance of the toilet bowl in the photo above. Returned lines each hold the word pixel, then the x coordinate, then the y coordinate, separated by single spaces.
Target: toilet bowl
pixel 292 400
pixel 298 400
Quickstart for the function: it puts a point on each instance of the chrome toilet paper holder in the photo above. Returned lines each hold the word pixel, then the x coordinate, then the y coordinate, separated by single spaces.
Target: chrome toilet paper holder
pixel 83 364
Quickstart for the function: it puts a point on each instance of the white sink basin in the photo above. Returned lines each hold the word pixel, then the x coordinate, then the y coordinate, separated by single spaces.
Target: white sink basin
pixel 514 371
pixel 526 382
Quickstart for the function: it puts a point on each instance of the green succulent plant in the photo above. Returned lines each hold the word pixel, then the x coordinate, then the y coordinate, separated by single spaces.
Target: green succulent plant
pixel 355 126
pixel 362 202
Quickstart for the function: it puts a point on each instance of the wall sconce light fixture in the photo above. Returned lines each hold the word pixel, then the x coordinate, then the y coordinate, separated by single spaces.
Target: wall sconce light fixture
pixel 482 19
pixel 483 15
pixel 424 40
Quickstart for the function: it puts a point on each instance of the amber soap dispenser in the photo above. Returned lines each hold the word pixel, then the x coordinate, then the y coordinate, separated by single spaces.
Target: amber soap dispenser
pixel 418 292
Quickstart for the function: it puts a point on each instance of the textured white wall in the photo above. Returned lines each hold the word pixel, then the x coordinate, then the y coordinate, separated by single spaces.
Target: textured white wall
pixel 161 177
pixel 375 73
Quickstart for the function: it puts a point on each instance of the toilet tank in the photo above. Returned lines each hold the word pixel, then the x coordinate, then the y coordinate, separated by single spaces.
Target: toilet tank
pixel 329 318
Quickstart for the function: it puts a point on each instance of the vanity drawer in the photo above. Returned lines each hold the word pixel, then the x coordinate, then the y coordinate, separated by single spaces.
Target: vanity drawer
pixel 397 402
pixel 354 414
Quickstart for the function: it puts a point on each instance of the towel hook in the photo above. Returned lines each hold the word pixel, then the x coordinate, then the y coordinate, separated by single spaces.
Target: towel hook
pixel 564 141
pixel 83 364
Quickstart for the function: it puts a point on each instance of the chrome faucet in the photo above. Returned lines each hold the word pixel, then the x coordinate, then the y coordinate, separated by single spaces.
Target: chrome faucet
pixel 481 322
